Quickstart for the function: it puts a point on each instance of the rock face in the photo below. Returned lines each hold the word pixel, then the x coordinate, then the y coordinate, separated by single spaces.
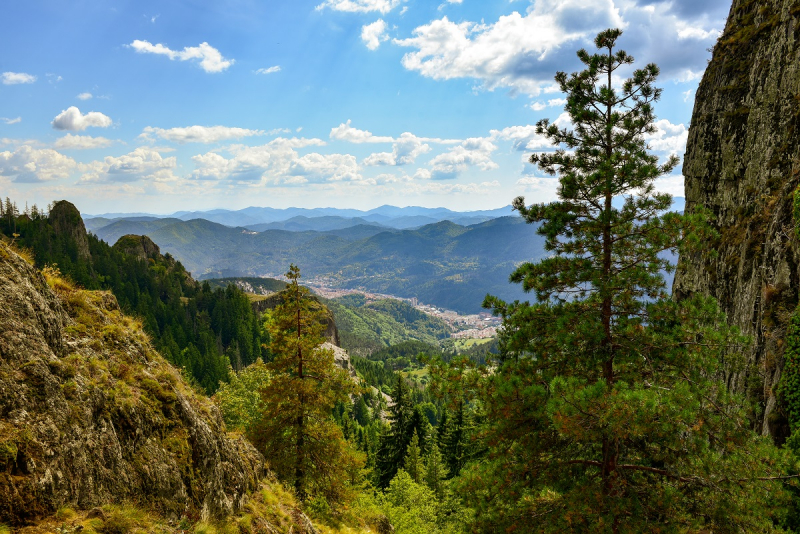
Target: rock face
pixel 66 220
pixel 91 414
pixel 741 164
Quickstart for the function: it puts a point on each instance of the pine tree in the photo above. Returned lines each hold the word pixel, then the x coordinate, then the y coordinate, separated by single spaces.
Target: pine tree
pixel 297 431
pixel 413 460
pixel 604 415
pixel 396 439
pixel 361 412
pixel 455 441
pixel 435 471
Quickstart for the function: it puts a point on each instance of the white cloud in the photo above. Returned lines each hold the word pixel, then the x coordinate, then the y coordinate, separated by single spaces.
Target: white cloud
pixel 81 142
pixel 85 96
pixel 538 106
pixel 198 134
pixel 319 168
pixel 252 163
pixel 522 52
pixel 360 6
pixel 669 138
pixel 523 138
pixel 374 34
pixel 13 78
pixel 141 164
pixel 28 165
pixel 270 70
pixel 8 120
pixel 405 151
pixel 72 119
pixel 345 132
pixel 211 59
pixel 476 151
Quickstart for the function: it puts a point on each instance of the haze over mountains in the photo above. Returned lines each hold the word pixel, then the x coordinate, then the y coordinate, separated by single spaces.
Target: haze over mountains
pixel 441 257
pixel 259 219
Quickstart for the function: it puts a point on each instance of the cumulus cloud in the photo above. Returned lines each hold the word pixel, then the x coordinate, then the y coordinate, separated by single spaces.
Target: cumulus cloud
pixel 345 132
pixel 198 134
pixel 270 70
pixel 85 96
pixel 141 164
pixel 374 34
pixel 360 6
pixel 523 138
pixel 7 120
pixel 72 119
pixel 210 59
pixel 318 168
pixel 252 163
pixel 82 142
pixel 669 138
pixel 29 165
pixel 476 151
pixel 13 78
pixel 522 52
pixel 405 151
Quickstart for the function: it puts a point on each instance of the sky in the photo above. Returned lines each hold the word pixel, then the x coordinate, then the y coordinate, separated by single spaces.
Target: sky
pixel 152 106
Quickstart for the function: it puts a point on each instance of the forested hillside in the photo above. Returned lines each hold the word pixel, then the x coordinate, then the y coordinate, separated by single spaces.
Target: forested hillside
pixel 202 330
pixel 445 264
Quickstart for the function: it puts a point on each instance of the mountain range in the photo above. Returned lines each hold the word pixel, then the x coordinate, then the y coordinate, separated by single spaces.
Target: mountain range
pixel 451 262
pixel 260 219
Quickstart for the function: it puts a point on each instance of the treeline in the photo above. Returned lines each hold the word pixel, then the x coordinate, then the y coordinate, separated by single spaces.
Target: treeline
pixel 202 330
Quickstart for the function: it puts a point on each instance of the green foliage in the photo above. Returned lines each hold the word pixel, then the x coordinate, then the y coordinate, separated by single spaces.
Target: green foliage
pixel 410 507
pixel 297 431
pixel 413 460
pixel 413 508
pixel 240 399
pixel 435 471
pixel 604 413
pixel 367 328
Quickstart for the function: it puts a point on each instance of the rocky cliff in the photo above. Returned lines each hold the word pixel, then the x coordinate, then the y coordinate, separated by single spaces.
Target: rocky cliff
pixel 91 414
pixel 66 220
pixel 741 163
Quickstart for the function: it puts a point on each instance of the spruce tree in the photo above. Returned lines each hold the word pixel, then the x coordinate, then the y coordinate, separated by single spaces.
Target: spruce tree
pixel 297 431
pixel 395 440
pixel 435 471
pixel 413 460
pixel 604 414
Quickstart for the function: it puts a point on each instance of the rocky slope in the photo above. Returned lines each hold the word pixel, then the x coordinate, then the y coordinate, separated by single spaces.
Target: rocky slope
pixel 91 414
pixel 741 164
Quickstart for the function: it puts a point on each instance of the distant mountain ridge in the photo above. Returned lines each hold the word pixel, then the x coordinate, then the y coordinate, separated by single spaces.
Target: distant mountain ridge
pixel 257 218
pixel 446 264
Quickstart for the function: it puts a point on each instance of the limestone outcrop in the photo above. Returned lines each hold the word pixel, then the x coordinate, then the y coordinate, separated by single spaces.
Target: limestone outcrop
pixel 66 220
pixel 741 164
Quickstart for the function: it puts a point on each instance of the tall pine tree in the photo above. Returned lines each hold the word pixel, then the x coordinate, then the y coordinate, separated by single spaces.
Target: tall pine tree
pixel 604 415
pixel 297 431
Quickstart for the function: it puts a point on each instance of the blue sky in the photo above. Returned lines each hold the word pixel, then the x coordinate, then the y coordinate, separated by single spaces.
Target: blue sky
pixel 148 106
